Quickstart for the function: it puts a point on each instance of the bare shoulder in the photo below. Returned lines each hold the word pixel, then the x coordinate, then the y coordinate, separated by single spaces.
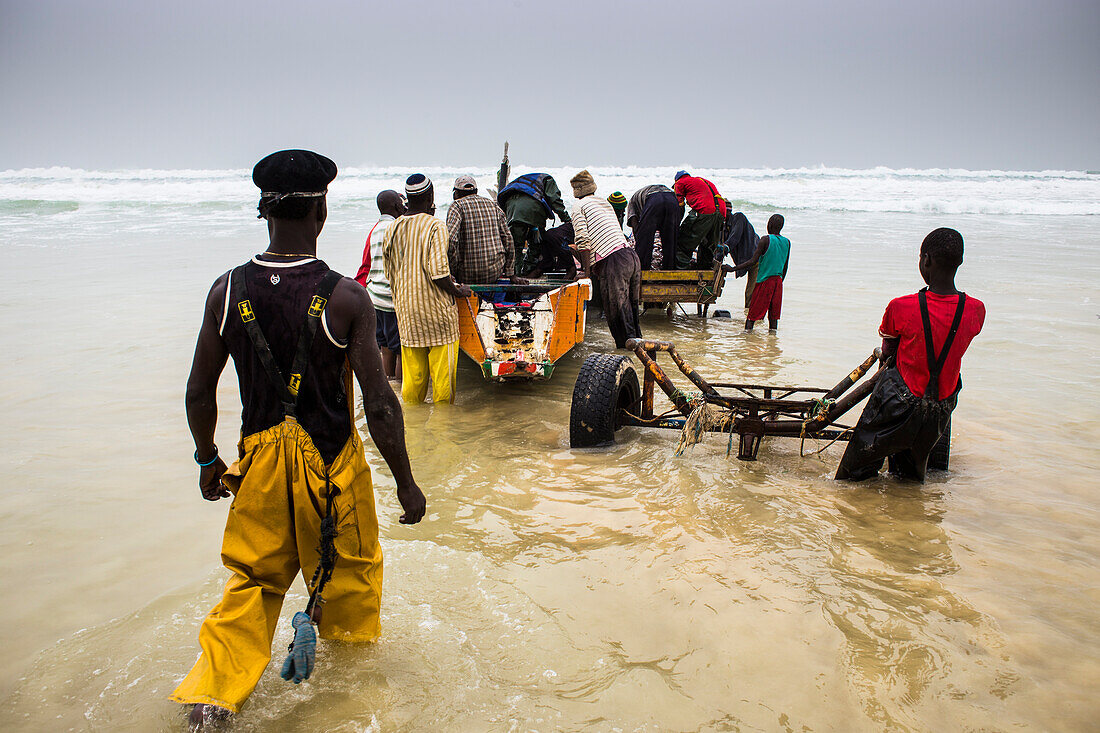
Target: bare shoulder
pixel 348 304
pixel 216 297
pixel 349 296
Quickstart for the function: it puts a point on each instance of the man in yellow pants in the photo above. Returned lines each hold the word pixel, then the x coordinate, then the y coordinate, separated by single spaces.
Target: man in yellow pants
pixel 414 257
pixel 303 498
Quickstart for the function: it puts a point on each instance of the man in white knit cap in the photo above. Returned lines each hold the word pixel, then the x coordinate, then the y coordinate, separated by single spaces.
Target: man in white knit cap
pixel 606 256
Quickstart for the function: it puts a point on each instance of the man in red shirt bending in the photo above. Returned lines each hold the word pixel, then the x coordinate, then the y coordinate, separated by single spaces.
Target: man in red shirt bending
pixel 702 229
pixel 924 336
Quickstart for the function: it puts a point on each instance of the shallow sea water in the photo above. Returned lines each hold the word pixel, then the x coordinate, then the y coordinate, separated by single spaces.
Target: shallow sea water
pixel 554 589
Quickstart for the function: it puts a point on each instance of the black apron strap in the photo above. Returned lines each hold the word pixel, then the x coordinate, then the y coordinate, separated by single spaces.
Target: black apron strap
pixel 936 362
pixel 239 294
pixel 309 329
pixel 287 389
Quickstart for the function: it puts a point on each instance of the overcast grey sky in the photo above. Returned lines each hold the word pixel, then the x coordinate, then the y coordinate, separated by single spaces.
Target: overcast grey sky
pixel 198 84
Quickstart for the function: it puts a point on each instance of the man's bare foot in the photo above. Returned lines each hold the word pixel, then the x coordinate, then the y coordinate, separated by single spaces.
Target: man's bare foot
pixel 207 718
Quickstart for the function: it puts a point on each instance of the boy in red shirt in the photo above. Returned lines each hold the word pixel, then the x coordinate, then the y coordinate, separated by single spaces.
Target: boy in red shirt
pixel 924 336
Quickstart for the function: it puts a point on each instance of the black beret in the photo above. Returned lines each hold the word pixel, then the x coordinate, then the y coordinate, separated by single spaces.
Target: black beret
pixel 294 171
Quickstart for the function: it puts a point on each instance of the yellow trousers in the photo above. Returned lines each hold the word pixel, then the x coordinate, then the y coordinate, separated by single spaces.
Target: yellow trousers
pixel 418 363
pixel 272 532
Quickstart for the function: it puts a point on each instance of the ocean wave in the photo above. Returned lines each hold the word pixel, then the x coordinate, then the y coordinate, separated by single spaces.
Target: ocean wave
pixel 49 191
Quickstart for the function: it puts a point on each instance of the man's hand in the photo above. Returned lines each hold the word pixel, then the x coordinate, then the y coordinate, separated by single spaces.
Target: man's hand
pixel 210 481
pixel 517 280
pixel 464 291
pixel 728 268
pixel 412 501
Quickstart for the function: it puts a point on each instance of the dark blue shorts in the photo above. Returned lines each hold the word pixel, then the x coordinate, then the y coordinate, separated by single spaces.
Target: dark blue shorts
pixel 385 330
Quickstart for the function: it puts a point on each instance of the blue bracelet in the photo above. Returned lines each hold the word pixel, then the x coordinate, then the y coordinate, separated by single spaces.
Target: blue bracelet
pixel 208 463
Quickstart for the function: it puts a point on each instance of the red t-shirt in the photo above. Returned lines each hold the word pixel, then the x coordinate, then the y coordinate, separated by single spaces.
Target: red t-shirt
pixel 699 193
pixel 902 321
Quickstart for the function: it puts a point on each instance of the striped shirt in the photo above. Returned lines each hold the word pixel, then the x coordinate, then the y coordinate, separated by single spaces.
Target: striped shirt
pixel 479 246
pixel 414 252
pixel 371 275
pixel 596 228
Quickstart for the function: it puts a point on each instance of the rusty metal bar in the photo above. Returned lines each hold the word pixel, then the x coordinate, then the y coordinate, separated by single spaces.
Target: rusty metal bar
pixel 647 393
pixel 642 349
pixel 743 387
pixel 856 374
pixel 837 409
pixel 764 405
pixel 853 398
pixel 775 428
pixel 653 346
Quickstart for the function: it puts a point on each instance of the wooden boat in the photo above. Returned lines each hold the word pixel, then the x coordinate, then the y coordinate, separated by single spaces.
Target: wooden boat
pixel 518 332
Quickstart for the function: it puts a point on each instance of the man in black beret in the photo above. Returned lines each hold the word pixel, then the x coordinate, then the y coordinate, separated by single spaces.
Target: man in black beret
pixel 292 326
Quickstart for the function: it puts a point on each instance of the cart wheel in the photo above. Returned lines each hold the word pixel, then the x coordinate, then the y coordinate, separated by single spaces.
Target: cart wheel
pixel 941 452
pixel 606 384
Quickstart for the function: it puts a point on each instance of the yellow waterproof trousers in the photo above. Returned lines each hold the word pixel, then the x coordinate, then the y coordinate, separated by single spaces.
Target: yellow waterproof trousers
pixel 418 363
pixel 272 532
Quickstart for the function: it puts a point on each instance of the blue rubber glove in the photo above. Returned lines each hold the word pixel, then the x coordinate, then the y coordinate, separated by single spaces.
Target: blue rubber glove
pixel 303 650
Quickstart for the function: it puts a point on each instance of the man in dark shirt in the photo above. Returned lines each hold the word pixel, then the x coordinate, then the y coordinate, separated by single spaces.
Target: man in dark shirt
pixel 292 326
pixel 654 209
pixel 529 202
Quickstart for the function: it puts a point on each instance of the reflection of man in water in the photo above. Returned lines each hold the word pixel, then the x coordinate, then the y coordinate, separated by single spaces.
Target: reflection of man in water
pixel 926 335
pixel 292 326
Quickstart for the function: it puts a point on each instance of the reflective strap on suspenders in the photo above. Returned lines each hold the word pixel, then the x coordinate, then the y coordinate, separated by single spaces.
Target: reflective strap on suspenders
pixel 287 390
pixel 714 194
pixel 935 363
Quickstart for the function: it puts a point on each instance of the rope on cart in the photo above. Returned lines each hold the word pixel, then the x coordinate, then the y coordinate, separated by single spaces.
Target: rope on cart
pixel 843 434
pixel 702 420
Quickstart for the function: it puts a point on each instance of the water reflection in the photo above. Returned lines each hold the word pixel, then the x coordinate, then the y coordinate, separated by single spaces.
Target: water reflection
pixel 890 562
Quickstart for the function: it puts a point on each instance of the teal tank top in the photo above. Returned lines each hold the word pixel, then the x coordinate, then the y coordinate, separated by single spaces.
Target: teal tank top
pixel 774 261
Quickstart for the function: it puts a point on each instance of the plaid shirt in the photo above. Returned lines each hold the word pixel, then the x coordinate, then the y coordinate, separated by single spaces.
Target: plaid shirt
pixel 479 243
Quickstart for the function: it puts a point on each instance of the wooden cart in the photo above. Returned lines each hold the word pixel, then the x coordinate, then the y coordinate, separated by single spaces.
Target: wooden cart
pixel 683 286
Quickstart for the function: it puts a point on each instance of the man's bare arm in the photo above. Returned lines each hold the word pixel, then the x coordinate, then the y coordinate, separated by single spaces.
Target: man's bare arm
pixel 761 248
pixel 202 391
pixel 383 411
pixel 449 286
pixel 889 348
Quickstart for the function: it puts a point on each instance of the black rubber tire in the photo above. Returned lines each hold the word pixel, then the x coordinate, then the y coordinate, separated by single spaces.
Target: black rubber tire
pixel 940 456
pixel 606 384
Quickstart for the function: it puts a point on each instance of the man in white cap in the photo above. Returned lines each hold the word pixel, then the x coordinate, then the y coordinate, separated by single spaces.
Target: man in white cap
pixel 414 257
pixel 605 255
pixel 479 244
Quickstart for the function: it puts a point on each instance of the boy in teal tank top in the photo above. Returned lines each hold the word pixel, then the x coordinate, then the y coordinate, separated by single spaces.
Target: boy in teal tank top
pixel 771 257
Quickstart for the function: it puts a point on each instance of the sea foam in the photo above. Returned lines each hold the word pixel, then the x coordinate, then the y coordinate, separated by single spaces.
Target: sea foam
pixel 949 191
